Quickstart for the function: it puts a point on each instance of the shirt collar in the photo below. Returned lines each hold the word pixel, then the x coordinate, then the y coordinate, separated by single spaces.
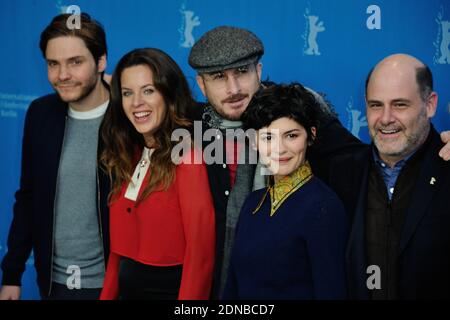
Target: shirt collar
pixel 282 189
pixel 91 114
pixel 384 165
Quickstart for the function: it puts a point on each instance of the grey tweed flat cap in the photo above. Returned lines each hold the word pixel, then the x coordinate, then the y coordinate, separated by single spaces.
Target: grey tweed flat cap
pixel 224 48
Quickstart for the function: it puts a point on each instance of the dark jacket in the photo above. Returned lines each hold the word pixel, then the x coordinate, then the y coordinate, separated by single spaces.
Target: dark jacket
pixel 298 253
pixel 333 140
pixel 33 221
pixel 423 253
pixel 220 185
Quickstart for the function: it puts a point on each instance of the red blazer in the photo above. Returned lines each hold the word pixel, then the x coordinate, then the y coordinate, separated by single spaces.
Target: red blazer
pixel 173 227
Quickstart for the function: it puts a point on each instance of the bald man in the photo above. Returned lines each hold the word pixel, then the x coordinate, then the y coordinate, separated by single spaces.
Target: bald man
pixel 397 190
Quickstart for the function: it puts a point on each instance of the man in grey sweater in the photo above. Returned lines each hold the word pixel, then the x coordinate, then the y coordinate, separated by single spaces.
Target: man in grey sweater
pixel 61 206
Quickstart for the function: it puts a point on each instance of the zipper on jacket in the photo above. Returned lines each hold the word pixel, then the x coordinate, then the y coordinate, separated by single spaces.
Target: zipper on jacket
pixel 54 205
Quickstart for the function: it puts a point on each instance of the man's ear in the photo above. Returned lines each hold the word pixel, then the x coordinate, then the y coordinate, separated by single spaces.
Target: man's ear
pixel 201 84
pixel 102 63
pixel 432 104
pixel 259 70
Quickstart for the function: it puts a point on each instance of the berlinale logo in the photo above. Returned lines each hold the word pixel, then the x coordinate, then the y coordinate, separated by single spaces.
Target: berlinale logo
pixel 314 26
pixel 442 55
pixel 190 21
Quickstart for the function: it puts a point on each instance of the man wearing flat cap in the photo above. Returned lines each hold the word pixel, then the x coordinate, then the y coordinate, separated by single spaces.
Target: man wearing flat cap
pixel 229 74
pixel 229 71
pixel 227 60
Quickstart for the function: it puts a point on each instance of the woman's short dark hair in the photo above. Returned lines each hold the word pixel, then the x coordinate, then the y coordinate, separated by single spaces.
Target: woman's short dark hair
pixel 292 101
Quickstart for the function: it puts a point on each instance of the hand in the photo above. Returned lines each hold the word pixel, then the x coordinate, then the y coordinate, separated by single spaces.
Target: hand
pixel 107 78
pixel 10 293
pixel 445 151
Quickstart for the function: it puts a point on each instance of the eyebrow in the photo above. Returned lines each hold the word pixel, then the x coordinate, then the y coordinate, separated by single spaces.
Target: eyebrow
pixel 392 101
pixel 68 59
pixel 76 58
pixel 374 101
pixel 286 132
pixel 142 87
pixel 290 131
pixel 247 66
pixel 401 100
pixel 214 73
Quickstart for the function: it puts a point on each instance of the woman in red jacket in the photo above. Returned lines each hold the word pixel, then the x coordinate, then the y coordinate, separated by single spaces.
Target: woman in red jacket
pixel 162 215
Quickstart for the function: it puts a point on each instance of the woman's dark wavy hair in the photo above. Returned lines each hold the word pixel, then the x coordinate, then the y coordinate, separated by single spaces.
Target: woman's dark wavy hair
pixel 122 144
pixel 282 100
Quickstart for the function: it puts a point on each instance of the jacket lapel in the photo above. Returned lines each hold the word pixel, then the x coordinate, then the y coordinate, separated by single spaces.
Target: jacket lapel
pixel 54 128
pixel 426 186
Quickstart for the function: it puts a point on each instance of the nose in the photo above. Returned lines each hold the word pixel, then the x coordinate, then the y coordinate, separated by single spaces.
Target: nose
pixel 137 99
pixel 282 148
pixel 63 73
pixel 386 116
pixel 277 147
pixel 232 85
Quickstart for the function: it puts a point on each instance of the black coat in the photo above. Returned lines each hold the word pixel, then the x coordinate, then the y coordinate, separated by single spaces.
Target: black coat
pixel 32 224
pixel 220 185
pixel 424 251
pixel 333 140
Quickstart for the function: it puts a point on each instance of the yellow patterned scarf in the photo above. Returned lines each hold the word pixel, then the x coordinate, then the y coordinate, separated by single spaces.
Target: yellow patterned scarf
pixel 282 189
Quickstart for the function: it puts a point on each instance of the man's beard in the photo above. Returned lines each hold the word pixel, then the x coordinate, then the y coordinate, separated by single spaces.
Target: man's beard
pixel 412 141
pixel 85 91
pixel 231 99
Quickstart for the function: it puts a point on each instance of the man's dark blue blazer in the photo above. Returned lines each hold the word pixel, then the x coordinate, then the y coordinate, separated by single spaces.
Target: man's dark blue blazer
pixel 424 250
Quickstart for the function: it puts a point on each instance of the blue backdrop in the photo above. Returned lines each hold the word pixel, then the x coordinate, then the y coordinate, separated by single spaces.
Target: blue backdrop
pixel 328 45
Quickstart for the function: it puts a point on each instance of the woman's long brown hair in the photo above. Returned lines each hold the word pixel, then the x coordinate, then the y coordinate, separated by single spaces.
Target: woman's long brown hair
pixel 122 144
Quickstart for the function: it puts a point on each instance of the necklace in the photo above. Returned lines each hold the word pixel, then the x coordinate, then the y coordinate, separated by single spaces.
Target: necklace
pixel 142 164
